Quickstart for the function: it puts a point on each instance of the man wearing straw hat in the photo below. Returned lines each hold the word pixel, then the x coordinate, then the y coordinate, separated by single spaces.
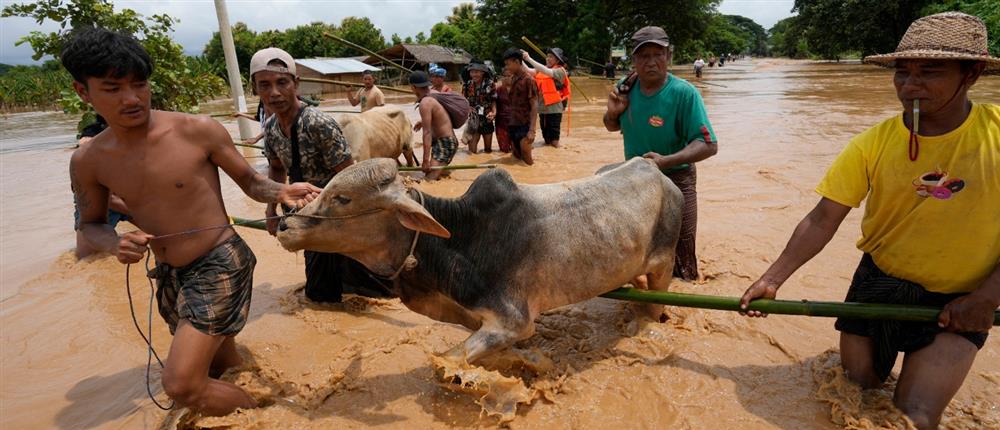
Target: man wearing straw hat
pixel 930 233
pixel 662 118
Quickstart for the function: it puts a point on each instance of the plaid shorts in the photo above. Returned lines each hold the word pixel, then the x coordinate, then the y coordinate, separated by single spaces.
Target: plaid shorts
pixel 443 149
pixel 212 293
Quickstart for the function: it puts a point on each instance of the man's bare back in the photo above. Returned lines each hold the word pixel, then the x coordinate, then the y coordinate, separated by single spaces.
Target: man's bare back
pixel 169 179
pixel 440 121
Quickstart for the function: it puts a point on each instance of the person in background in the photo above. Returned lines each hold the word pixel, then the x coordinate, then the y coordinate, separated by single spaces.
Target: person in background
pixel 523 106
pixel 370 96
pixel 437 78
pixel 117 210
pixel 553 84
pixel 502 119
pixel 480 91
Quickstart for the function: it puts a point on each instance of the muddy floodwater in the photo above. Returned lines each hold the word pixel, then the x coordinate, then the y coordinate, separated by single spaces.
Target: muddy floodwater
pixel 71 358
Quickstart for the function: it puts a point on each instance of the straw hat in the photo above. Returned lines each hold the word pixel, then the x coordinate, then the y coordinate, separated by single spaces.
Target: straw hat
pixel 945 36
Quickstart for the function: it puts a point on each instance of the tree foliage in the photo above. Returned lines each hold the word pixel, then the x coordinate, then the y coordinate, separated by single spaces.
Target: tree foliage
pixel 175 86
pixel 831 28
pixel 304 41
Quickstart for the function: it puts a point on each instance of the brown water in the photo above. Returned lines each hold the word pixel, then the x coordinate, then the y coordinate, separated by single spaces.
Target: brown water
pixel 71 358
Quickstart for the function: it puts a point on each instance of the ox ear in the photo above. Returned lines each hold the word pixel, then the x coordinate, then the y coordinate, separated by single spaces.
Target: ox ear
pixel 414 217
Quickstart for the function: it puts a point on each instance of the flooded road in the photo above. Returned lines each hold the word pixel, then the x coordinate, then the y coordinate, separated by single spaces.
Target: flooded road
pixel 72 360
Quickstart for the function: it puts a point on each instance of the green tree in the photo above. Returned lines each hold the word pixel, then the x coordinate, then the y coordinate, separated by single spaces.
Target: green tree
pixel 307 41
pixel 987 10
pixel 785 39
pixel 362 32
pixel 420 38
pixel 174 86
pixel 245 42
pixel 395 39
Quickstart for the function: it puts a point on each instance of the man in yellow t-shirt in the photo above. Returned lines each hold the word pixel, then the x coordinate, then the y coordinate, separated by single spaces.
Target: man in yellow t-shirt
pixel 369 97
pixel 931 228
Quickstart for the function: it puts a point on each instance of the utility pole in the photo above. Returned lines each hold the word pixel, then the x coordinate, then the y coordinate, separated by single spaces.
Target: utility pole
pixel 233 68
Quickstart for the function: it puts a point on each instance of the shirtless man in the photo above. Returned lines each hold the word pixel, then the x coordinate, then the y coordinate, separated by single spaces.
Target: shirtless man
pixel 164 165
pixel 439 139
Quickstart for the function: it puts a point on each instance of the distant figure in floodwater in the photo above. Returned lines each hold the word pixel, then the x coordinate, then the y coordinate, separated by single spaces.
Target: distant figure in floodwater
pixel 165 166
pixel 609 69
pixel 370 96
pixel 930 234
pixel 699 64
pixel 662 118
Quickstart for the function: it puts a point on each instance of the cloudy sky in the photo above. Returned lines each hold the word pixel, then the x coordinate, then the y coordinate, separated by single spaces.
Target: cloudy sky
pixel 405 17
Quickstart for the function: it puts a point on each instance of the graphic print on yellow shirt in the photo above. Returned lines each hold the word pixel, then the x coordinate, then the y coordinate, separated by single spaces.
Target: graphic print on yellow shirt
pixel 934 221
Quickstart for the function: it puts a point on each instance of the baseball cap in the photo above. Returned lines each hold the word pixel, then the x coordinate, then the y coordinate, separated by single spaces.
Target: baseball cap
pixel 419 79
pixel 650 34
pixel 260 59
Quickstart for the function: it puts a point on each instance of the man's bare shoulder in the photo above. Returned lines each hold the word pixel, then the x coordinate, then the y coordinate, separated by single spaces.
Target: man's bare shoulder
pixel 198 129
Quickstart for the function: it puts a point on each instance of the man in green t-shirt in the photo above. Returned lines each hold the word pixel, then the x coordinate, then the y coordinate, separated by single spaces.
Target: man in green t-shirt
pixel 662 118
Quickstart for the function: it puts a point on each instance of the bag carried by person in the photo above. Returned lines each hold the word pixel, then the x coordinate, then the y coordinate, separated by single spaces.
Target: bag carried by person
pixel 456 105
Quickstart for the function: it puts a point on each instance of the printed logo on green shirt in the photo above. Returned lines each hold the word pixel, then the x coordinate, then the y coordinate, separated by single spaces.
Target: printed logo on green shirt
pixel 936 184
pixel 656 121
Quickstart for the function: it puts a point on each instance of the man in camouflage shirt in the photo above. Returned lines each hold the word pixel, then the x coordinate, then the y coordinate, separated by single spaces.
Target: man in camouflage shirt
pixel 322 152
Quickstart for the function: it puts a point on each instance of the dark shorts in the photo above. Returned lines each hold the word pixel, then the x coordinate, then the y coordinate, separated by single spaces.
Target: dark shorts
pixel 212 293
pixel 516 133
pixel 443 149
pixel 478 124
pixel 550 124
pixel 872 285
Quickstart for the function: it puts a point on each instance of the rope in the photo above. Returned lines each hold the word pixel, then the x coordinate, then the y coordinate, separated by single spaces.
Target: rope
pixel 410 261
pixel 151 352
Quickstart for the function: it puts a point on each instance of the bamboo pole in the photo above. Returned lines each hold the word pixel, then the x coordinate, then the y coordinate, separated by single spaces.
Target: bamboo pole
pixel 451 167
pixel 245 145
pixel 542 53
pixel 365 50
pixel 786 307
pixel 248 223
pixel 352 84
pixel 591 62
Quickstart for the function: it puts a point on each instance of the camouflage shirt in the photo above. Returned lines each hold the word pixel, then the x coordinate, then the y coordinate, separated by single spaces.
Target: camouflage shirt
pixel 322 146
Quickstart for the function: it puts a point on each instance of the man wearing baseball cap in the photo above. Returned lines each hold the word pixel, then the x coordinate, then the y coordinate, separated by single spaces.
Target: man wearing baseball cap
pixel 930 235
pixel 306 145
pixel 662 118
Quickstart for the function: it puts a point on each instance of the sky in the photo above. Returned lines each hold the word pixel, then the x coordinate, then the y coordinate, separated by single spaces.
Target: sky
pixel 405 17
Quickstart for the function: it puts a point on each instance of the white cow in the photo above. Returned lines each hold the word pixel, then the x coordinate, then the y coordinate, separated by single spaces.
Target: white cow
pixel 382 132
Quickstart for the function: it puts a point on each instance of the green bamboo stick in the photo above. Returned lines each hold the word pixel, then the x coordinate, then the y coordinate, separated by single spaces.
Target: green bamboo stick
pixel 451 167
pixel 246 145
pixel 365 50
pixel 786 307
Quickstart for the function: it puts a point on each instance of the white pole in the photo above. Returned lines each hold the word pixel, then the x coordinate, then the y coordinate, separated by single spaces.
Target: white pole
pixel 233 68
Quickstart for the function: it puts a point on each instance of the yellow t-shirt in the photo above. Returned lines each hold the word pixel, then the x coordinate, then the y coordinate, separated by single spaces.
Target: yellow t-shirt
pixel 934 221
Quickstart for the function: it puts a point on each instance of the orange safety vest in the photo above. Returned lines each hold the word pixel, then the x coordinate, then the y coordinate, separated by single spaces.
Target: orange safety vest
pixel 547 85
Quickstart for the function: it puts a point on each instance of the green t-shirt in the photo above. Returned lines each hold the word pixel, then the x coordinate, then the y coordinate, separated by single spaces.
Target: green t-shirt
pixel 665 122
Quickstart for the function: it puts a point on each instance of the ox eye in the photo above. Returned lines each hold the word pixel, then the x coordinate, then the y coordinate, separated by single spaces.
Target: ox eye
pixel 343 199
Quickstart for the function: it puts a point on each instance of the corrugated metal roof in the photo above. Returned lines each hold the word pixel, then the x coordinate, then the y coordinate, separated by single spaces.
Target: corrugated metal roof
pixel 423 54
pixel 334 66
